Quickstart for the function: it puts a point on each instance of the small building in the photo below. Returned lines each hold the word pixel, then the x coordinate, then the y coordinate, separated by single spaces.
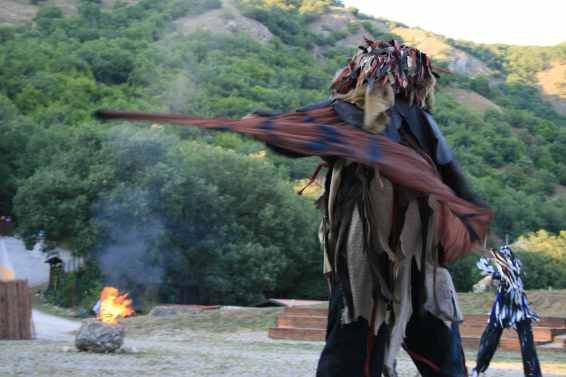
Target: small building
pixel 56 271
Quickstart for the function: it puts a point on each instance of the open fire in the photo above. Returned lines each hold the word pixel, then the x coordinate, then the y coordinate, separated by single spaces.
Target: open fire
pixel 105 334
pixel 114 305
pixel 6 270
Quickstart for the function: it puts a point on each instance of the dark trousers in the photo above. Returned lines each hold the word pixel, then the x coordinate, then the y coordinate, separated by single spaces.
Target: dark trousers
pixel 490 340
pixel 435 349
pixel 351 350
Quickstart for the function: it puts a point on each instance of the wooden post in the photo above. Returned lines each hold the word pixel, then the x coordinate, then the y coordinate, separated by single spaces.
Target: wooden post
pixel 15 310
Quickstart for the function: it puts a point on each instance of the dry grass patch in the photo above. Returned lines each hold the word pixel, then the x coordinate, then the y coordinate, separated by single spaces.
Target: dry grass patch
pixel 227 19
pixel 433 45
pixel 223 320
pixel 546 303
pixel 552 82
pixel 19 11
pixel 472 100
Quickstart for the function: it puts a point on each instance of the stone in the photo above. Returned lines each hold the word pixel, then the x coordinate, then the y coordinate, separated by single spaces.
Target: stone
pixel 483 285
pixel 130 350
pixel 99 337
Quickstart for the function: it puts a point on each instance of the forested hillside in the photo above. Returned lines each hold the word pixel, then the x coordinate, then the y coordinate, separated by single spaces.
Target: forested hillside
pixel 214 214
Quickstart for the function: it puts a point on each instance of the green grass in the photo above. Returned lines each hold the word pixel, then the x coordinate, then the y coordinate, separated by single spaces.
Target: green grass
pixel 39 303
pixel 216 321
pixel 225 320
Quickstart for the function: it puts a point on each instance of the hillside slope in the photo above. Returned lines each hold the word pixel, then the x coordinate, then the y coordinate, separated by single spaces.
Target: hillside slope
pixel 21 11
pixel 232 57
pixel 471 100
pixel 552 81
pixel 198 214
pixel 226 19
pixel 347 28
pixel 458 61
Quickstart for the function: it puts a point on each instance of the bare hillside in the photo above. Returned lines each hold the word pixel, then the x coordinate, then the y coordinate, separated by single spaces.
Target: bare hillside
pixel 227 19
pixel 346 28
pixel 458 60
pixel 340 20
pixel 472 100
pixel 552 82
pixel 18 11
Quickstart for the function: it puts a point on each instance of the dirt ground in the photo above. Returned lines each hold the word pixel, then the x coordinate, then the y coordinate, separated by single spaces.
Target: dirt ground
pixel 50 327
pixel 226 342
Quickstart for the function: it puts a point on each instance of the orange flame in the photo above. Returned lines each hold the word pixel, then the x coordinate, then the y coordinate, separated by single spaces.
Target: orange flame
pixel 6 274
pixel 113 305
pixel 6 270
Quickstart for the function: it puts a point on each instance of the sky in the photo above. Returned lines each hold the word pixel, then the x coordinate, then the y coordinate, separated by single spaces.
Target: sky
pixel 519 22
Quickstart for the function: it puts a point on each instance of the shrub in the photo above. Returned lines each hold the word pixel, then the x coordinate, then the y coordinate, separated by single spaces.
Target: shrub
pixel 465 273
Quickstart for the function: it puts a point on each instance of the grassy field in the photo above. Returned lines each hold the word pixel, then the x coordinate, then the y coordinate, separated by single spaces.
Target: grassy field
pixel 226 320
pixel 546 303
pixel 214 343
pixel 227 342
pixel 39 303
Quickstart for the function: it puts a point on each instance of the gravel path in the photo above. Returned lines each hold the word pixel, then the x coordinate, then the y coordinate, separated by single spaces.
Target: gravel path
pixel 200 353
pixel 49 327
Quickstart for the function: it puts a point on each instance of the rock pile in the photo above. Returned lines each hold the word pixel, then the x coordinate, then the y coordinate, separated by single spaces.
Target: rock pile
pixel 100 337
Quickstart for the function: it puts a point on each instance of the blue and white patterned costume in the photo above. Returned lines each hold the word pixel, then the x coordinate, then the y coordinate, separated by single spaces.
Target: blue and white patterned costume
pixel 510 309
pixel 511 305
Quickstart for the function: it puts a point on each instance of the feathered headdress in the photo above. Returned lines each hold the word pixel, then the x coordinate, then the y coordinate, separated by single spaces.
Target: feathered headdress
pixel 380 71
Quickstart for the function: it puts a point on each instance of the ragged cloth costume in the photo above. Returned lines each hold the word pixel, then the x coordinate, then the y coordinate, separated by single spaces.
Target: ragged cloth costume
pixel 383 253
pixel 395 210
pixel 510 310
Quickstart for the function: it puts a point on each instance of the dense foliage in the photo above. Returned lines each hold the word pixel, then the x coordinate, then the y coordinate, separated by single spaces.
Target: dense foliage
pixel 215 224
pixel 544 242
pixel 515 162
pixel 544 262
pixel 515 62
pixel 211 217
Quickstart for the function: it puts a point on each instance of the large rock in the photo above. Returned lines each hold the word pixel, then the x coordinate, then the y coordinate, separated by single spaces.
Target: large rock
pixel 96 336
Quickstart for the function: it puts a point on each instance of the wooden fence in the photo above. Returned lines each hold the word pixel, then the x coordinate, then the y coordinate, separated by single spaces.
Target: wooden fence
pixel 15 310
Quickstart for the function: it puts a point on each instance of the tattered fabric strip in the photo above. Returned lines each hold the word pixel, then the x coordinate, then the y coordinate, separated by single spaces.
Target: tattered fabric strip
pixel 320 132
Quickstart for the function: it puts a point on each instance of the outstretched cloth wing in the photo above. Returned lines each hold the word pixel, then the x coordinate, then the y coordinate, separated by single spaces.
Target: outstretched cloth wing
pixel 320 132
